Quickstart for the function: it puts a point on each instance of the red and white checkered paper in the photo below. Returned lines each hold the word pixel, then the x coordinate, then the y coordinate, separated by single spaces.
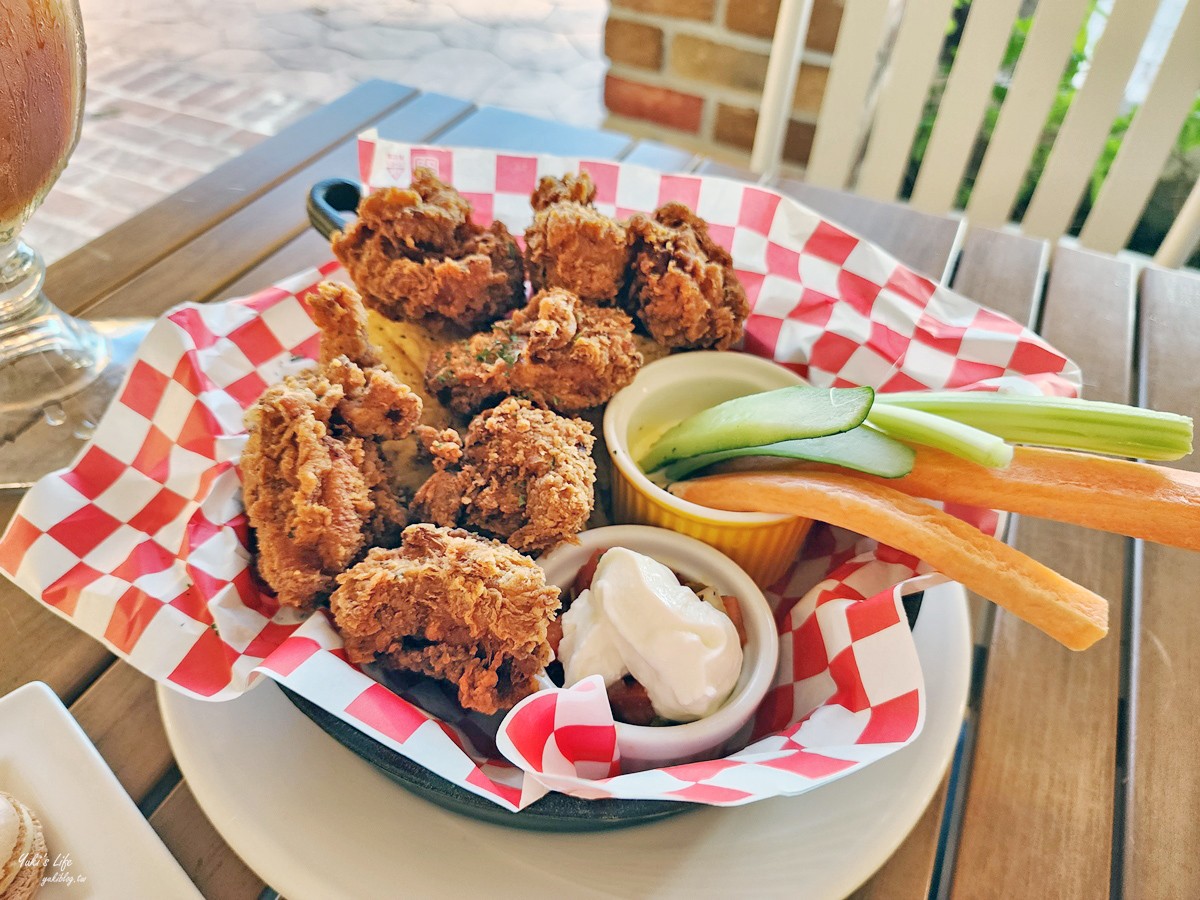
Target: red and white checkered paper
pixel 143 542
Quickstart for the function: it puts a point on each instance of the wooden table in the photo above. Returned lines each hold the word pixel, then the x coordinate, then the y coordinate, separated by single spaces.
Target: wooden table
pixel 1076 774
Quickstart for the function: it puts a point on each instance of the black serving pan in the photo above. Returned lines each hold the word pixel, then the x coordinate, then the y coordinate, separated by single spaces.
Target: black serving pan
pixel 554 812
pixel 331 203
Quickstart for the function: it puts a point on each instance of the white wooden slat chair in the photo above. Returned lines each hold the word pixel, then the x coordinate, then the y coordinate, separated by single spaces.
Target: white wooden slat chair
pixel 882 69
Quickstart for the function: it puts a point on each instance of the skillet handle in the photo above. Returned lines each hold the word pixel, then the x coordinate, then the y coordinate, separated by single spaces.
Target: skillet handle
pixel 330 201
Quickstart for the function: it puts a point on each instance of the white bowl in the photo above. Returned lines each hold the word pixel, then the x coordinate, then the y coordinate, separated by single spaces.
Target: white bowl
pixel 726 730
pixel 665 392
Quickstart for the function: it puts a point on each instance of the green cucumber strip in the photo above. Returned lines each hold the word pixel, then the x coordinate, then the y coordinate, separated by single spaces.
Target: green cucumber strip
pixel 785 414
pixel 860 449
pixel 1062 422
pixel 919 427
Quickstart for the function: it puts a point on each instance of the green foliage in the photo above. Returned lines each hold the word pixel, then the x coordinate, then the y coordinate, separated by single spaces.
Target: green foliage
pixel 1149 234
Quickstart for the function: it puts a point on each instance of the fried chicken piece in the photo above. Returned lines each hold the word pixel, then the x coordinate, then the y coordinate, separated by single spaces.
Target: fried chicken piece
pixel 683 289
pixel 558 352
pixel 450 605
pixel 522 474
pixel 416 256
pixel 571 244
pixel 316 486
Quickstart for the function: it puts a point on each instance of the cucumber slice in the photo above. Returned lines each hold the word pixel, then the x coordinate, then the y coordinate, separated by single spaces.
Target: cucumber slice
pixel 862 449
pixel 785 414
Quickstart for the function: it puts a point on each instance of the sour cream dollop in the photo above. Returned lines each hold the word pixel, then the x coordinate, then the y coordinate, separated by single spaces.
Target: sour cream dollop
pixel 637 619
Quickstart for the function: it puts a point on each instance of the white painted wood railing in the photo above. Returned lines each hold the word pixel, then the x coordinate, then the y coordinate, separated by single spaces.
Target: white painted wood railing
pixel 884 65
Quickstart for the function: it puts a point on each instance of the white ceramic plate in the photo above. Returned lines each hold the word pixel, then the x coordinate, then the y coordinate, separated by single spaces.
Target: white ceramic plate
pixel 315 821
pixel 100 845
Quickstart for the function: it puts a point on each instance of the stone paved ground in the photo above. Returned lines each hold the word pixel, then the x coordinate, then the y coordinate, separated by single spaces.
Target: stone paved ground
pixel 175 87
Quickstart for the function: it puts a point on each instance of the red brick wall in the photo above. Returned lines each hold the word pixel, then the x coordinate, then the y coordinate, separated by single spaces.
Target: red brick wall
pixel 692 71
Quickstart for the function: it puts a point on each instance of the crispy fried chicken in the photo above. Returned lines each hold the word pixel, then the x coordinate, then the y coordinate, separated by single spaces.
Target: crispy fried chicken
pixel 316 486
pixel 454 606
pixel 416 256
pixel 683 289
pixel 571 244
pixel 523 474
pixel 558 351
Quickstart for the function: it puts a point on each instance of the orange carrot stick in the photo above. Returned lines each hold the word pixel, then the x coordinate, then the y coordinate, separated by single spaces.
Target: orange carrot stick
pixel 1069 613
pixel 1138 500
pixel 733 609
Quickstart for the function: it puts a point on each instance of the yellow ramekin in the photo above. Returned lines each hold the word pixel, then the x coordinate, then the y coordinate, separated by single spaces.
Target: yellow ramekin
pixel 663 393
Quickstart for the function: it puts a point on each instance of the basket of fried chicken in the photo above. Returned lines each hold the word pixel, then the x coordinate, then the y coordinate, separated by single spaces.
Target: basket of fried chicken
pixel 383 483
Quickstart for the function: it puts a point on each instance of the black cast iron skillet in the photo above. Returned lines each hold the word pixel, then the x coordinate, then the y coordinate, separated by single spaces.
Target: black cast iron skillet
pixel 331 203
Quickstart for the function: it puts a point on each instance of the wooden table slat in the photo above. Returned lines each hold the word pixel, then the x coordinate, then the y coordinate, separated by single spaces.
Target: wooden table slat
pixel 1045 754
pixel 305 250
pixel 1004 271
pixel 724 170
pixel 1162 825
pixel 119 712
pixel 116 256
pixel 909 869
pixel 217 871
pixel 925 243
pixel 662 157
pixel 502 129
pixel 424 118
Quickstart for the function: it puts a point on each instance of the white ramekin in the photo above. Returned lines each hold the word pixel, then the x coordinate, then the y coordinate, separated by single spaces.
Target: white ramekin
pixel 726 730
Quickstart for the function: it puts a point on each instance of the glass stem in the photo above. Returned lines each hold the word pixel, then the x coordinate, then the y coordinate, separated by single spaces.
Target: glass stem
pixel 22 275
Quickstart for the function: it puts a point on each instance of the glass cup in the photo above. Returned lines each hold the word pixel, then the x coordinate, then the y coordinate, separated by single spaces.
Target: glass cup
pixel 57 373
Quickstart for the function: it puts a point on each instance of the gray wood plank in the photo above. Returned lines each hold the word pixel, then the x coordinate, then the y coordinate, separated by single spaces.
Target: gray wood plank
pixel 217 871
pixel 1043 778
pixel 1003 271
pixel 1006 272
pixel 663 157
pixel 724 170
pixel 923 242
pixel 306 249
pixel 1162 826
pixel 502 129
pixel 424 118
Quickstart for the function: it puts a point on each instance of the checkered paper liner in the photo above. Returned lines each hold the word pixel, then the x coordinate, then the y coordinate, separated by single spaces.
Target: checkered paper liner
pixel 143 542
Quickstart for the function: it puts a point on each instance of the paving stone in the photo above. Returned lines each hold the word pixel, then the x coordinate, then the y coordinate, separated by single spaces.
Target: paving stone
pixel 65 205
pixel 178 86
pixel 132 133
pixel 125 193
pixel 194 154
pixel 377 42
pixel 500 13
pixel 196 127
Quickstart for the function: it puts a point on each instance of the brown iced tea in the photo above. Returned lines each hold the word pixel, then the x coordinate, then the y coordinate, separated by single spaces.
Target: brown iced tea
pixel 41 92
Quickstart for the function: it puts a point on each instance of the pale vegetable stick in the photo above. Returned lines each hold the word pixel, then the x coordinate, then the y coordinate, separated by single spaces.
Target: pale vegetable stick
pixel 1067 612
pixel 1140 500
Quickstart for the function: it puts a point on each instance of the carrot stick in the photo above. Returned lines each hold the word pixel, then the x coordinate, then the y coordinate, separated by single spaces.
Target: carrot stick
pixel 733 609
pixel 1138 500
pixel 1069 613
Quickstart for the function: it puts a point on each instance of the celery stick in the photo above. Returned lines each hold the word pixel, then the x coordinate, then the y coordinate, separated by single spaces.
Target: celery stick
pixel 860 449
pixel 1061 422
pixel 765 418
pixel 920 427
